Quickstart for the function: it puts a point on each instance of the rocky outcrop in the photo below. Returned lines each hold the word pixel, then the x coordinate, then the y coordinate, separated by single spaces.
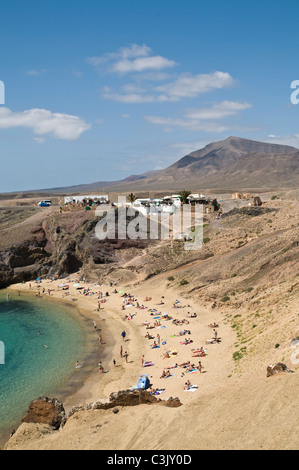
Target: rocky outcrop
pixel 45 411
pixel 277 368
pixel 52 413
pixel 126 398
pixel 56 245
pixel 252 211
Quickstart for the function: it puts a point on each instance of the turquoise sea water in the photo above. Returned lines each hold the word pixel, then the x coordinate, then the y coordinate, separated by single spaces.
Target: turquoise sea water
pixel 30 369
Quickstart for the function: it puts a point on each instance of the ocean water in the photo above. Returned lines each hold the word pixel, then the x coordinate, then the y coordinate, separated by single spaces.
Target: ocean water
pixel 32 370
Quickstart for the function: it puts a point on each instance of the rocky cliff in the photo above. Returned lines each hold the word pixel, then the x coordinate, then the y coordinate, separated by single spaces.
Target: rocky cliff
pixel 50 244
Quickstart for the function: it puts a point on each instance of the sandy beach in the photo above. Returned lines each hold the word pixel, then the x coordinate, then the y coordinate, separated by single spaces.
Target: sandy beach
pixel 147 317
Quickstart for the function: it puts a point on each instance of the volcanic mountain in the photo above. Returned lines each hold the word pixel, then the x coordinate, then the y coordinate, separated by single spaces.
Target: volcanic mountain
pixel 230 164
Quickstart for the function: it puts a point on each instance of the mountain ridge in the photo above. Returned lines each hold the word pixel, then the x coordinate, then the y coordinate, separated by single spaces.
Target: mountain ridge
pixel 230 164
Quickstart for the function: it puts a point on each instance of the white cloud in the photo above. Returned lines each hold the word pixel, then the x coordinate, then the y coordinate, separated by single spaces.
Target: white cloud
pixel 44 123
pixel 128 98
pixel 39 140
pixel 142 64
pixel 33 72
pixel 184 148
pixel 186 86
pixel 187 124
pixel 218 110
pixel 201 119
pixel 136 58
pixel 291 140
pixel 189 86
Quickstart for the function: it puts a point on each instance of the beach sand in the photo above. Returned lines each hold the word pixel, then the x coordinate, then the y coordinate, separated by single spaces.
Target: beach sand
pixel 227 411
pixel 110 320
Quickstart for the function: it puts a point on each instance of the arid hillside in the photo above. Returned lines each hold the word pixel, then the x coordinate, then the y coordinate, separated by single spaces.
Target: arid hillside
pixel 246 276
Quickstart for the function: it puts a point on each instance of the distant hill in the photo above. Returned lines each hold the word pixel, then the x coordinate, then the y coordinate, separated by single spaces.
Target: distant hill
pixel 230 164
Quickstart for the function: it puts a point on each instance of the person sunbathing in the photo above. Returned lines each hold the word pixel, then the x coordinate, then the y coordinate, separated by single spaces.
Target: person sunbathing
pixel 187 385
pixel 187 341
pixel 184 332
pixel 155 345
pixel 185 364
pixel 172 367
pixel 148 336
pixel 193 315
pixel 199 354
pixel 166 355
pixel 165 374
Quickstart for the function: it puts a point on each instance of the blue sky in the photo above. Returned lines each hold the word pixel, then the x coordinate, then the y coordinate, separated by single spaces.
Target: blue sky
pixel 100 90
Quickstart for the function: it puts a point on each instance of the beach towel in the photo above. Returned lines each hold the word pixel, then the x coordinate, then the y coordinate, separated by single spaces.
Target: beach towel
pixel 155 347
pixel 193 371
pixel 148 364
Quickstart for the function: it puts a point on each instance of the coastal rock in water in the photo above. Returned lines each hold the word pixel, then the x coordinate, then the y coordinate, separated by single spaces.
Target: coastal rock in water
pixel 276 368
pixel 45 411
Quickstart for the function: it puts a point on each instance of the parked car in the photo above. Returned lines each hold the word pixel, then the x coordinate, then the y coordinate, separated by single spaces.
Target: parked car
pixel 45 204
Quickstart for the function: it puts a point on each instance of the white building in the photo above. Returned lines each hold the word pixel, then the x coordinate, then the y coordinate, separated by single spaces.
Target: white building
pixel 79 199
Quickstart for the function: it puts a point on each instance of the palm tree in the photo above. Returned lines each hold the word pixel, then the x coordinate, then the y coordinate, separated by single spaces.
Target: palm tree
pixel 131 197
pixel 184 195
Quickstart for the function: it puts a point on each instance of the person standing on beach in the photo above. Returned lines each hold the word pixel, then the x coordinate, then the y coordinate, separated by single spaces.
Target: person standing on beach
pixel 159 340
pixel 124 335
pixel 121 351
pixel 126 356
pixel 142 361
